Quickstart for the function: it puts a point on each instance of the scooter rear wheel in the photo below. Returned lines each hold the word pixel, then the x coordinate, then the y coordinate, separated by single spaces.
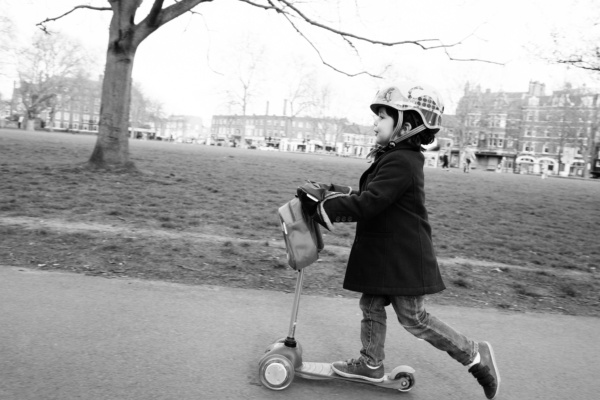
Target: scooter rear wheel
pixel 406 380
pixel 276 372
pixel 404 376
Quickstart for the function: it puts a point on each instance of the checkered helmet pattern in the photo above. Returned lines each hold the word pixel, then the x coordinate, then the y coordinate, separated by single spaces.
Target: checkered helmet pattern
pixel 409 96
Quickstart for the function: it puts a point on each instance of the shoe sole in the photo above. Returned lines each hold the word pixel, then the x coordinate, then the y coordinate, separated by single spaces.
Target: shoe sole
pixel 495 369
pixel 362 377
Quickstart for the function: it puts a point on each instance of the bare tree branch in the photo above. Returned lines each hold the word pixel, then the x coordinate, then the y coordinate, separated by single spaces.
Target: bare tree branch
pixel 271 7
pixel 351 45
pixel 159 16
pixel 189 11
pixel 470 59
pixel 286 16
pixel 42 24
pixel 348 34
pixel 154 12
pixel 579 63
pixel 175 10
pixel 321 57
pixel 208 62
pixel 346 37
pixel 588 59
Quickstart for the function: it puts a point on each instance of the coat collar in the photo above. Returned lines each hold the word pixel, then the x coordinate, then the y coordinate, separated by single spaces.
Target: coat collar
pixel 389 149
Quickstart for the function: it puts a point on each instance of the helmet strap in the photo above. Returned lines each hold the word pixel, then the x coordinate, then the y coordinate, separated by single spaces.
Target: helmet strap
pixel 399 137
pixel 397 133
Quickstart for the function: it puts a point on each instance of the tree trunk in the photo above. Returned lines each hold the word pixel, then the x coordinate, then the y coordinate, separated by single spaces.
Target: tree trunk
pixel 588 156
pixel 30 124
pixel 112 144
pixel 52 115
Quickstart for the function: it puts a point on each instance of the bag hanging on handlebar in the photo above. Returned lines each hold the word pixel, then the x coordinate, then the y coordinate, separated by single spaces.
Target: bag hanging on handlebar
pixel 303 240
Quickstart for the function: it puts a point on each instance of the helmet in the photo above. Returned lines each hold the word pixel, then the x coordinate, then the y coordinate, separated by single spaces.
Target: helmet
pixel 410 96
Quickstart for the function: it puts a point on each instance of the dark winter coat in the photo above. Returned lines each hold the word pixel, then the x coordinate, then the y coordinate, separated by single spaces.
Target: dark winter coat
pixel 392 252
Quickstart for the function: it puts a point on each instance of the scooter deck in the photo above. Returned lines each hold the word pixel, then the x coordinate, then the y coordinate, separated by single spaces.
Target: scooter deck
pixel 316 370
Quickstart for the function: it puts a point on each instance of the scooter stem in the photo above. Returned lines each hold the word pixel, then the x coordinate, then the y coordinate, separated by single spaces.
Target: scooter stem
pixel 290 341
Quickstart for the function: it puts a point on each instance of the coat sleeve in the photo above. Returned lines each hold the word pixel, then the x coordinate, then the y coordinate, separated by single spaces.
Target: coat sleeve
pixel 393 176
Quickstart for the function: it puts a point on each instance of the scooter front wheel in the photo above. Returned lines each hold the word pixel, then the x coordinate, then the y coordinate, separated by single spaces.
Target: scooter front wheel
pixel 276 372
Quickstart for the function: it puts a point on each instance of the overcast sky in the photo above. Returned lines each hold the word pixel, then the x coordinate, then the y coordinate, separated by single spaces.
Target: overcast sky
pixel 191 63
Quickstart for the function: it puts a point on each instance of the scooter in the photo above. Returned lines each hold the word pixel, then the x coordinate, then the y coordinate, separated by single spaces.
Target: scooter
pixel 283 358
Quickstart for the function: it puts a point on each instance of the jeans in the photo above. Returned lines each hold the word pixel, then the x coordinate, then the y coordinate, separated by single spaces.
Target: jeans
pixel 415 319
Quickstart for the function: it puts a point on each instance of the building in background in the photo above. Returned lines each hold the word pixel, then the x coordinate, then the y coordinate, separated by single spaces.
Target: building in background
pixel 304 134
pixel 527 132
pixel 183 129
pixel 358 140
pixel 308 134
pixel 443 143
pixel 523 132
pixel 77 109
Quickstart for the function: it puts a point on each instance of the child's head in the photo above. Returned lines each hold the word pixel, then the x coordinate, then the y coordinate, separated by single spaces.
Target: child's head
pixel 414 111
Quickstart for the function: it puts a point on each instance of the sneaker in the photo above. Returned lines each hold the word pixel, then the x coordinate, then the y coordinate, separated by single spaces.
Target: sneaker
pixel 486 371
pixel 358 369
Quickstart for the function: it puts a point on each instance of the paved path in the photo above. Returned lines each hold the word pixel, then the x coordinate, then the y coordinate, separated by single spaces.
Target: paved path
pixel 66 336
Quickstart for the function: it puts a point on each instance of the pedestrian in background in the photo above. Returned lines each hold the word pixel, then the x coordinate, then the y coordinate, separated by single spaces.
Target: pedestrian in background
pixel 544 171
pixel 467 165
pixel 468 158
pixel 445 162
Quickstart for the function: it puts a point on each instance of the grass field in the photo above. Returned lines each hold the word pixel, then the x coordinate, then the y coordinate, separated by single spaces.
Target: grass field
pixel 207 215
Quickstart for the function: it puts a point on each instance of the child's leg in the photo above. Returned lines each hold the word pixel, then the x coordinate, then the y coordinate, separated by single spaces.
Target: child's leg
pixel 373 328
pixel 415 319
pixel 369 365
pixel 478 356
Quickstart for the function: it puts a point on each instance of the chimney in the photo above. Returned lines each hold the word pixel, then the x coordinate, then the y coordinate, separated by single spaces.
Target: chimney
pixel 267 111
pixel 531 88
pixel 537 88
pixel 284 107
